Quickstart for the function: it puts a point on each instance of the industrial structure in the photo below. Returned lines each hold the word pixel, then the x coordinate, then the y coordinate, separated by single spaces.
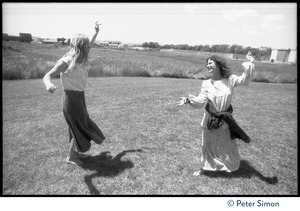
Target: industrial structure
pixel 284 55
pixel 23 37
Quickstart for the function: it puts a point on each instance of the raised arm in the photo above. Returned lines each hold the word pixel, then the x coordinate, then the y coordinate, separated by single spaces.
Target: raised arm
pixel 58 68
pixel 246 76
pixel 96 33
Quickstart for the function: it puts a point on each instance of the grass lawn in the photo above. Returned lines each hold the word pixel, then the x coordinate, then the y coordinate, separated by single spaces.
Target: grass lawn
pixel 152 145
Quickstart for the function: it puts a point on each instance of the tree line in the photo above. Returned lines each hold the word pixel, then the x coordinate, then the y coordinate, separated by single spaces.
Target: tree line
pixel 218 48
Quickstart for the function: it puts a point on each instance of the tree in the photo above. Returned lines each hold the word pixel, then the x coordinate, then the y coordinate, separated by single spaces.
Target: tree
pixel 166 46
pixel 236 49
pixel 151 45
pixel 145 45
pixel 206 48
pixel 198 47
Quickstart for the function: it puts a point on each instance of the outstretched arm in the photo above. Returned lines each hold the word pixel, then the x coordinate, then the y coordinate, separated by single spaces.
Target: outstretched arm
pixel 195 101
pixel 96 33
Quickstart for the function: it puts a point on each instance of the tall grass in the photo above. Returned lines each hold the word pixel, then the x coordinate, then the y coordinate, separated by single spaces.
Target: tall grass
pixel 280 74
pixel 26 68
pixel 27 61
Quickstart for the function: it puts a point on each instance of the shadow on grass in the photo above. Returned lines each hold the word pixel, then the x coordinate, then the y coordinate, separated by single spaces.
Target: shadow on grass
pixel 105 165
pixel 246 171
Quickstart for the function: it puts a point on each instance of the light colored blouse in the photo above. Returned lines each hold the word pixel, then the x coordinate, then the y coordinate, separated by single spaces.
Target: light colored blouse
pixel 220 92
pixel 74 78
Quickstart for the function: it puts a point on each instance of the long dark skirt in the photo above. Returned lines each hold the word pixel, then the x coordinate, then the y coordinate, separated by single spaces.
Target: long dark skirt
pixel 81 128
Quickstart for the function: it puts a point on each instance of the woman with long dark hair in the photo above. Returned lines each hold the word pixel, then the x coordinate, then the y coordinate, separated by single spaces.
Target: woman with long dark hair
pixel 219 151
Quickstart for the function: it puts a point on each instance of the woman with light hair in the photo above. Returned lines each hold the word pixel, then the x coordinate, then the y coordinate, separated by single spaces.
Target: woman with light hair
pixel 73 74
pixel 219 151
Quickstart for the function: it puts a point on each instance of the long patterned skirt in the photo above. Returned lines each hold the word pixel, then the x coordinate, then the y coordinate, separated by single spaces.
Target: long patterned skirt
pixel 218 151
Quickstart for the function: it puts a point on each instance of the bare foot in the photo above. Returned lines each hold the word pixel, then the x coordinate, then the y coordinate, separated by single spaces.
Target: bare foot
pixel 74 161
pixel 198 173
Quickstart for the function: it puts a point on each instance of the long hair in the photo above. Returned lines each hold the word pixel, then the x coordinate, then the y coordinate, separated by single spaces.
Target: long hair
pixel 221 63
pixel 80 46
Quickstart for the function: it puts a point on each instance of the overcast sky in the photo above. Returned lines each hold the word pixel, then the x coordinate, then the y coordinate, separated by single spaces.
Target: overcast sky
pixel 248 24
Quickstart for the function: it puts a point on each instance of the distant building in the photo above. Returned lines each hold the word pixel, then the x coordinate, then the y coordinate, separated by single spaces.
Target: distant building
pixel 263 48
pixel 134 44
pixel 102 43
pixel 109 43
pixel 23 37
pixel 113 42
pixel 62 40
pixel 284 55
pixel 36 39
pixel 49 41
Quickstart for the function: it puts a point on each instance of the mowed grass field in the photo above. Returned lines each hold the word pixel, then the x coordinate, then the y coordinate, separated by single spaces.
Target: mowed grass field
pixel 152 145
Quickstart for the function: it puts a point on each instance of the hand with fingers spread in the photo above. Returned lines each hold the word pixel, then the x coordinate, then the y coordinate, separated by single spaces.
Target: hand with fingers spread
pixel 183 101
pixel 249 57
pixel 249 63
pixel 97 24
